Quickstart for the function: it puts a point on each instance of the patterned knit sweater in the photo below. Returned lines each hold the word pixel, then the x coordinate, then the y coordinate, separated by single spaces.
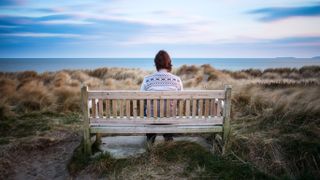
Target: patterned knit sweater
pixel 162 81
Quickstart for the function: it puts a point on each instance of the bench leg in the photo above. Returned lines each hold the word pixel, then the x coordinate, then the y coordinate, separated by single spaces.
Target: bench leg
pixel 213 143
pixel 87 142
pixel 225 145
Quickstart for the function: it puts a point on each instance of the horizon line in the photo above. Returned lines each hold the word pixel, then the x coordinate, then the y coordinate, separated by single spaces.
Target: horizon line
pixel 277 57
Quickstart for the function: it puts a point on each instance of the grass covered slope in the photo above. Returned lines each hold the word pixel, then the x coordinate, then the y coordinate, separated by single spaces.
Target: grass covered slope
pixel 174 160
pixel 275 123
pixel 278 129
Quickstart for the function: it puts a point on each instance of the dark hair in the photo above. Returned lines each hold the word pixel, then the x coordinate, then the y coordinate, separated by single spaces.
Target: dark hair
pixel 163 61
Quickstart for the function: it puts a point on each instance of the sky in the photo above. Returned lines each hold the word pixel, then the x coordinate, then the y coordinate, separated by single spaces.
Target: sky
pixel 140 28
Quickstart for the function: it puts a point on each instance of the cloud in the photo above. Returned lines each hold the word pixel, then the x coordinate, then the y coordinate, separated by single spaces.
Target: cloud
pixel 298 41
pixel 274 14
pixel 66 22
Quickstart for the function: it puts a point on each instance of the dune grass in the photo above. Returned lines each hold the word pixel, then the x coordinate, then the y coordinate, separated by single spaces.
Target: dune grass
pixel 166 160
pixel 34 124
pixel 278 129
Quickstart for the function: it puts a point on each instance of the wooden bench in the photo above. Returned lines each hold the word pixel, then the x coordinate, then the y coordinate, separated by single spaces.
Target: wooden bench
pixel 137 112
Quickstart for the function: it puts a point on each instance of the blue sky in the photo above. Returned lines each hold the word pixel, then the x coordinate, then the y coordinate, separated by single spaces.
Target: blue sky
pixel 139 28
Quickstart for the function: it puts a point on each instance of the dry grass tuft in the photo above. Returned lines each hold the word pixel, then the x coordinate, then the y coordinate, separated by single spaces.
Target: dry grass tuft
pixel 175 160
pixel 61 79
pixel 67 99
pixel 278 129
pixel 33 96
pixel 99 73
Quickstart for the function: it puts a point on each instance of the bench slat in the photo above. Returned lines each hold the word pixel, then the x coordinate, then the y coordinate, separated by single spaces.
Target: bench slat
pixel 219 108
pixel 211 110
pixel 161 108
pixel 134 108
pixel 209 94
pixel 155 108
pixel 141 108
pixel 181 107
pixel 128 108
pixel 121 107
pixel 194 108
pixel 108 108
pixel 157 129
pixel 150 124
pixel 148 108
pixel 187 108
pixel 168 108
pixel 214 120
pixel 207 107
pixel 114 108
pixel 174 108
pixel 200 107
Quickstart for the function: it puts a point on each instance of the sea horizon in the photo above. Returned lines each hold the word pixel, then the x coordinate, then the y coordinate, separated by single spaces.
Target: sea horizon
pixel 55 64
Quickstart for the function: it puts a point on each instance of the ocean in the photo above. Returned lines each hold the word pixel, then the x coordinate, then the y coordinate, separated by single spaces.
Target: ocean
pixel 55 64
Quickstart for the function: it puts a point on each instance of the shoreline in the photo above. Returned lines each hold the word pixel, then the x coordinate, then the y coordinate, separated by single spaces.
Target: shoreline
pixel 234 64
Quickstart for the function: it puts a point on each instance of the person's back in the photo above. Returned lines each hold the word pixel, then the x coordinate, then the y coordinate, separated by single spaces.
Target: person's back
pixel 162 80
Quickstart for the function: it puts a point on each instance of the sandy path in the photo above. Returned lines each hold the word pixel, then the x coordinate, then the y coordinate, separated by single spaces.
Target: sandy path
pixel 43 158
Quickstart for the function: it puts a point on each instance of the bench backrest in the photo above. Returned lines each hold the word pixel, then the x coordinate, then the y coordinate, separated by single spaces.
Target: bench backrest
pixel 157 105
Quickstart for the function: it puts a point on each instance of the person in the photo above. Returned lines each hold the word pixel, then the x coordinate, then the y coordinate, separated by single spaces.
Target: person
pixel 162 80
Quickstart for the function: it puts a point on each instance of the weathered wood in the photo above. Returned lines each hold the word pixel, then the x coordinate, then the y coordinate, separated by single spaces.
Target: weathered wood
pixel 188 107
pixel 181 107
pixel 211 104
pixel 200 108
pixel 121 107
pixel 93 107
pixel 219 108
pixel 174 108
pixel 188 94
pixel 128 108
pixel 194 108
pixel 107 110
pixel 168 108
pixel 206 107
pixel 155 108
pixel 114 108
pixel 134 108
pixel 86 126
pixel 215 120
pixel 226 115
pixel 143 124
pixel 157 129
pixel 214 107
pixel 141 108
pixel 100 108
pixel 161 108
pixel 148 108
